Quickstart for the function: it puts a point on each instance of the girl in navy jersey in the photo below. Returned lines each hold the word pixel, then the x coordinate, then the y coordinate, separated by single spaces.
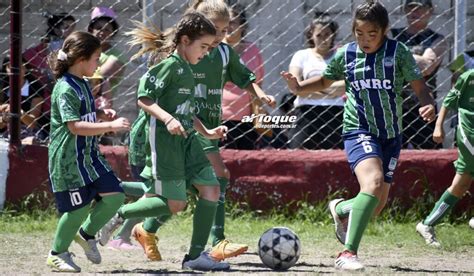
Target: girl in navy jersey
pixel 374 69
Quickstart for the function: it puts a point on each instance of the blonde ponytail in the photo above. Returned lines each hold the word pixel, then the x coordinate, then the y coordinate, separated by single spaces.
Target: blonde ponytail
pixel 152 41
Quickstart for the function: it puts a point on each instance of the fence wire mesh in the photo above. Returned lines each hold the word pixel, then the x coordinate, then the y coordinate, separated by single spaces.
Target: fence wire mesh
pixel 276 28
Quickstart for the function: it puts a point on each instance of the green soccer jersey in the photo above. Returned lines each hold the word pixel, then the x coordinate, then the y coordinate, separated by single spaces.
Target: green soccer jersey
pixel 461 99
pixel 73 160
pixel 374 83
pixel 170 84
pixel 222 64
pixel 138 139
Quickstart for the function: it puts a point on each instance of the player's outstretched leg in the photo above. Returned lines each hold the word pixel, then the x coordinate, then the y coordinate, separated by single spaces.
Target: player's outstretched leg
pixel 98 217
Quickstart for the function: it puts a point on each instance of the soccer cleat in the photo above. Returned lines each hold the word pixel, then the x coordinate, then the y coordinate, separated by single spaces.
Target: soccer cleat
pixel 348 261
pixel 90 248
pixel 204 263
pixel 471 223
pixel 339 224
pixel 225 249
pixel 121 244
pixel 428 233
pixel 62 262
pixel 148 242
pixel 108 230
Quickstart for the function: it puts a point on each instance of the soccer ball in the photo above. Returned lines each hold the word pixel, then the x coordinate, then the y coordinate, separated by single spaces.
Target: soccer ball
pixel 279 248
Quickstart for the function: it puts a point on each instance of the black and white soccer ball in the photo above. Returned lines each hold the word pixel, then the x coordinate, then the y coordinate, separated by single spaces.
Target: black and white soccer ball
pixel 279 248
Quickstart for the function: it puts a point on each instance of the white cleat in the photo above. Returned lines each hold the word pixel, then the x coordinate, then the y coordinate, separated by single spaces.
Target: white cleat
pixel 204 263
pixel 62 262
pixel 90 249
pixel 428 233
pixel 348 261
pixel 339 224
pixel 108 230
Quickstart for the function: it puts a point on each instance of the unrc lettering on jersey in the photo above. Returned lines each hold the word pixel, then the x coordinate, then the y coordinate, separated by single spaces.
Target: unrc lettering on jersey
pixel 371 84
pixel 89 117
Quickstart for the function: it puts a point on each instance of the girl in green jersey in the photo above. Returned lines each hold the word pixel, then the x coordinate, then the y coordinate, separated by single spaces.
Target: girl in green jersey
pixel 78 172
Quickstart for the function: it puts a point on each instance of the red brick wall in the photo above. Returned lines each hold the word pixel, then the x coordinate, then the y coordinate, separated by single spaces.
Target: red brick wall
pixel 269 178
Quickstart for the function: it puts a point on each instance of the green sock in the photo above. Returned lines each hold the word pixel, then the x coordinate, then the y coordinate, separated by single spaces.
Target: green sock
pixel 217 232
pixel 202 222
pixel 102 212
pixel 68 225
pixel 145 208
pixel 151 225
pixel 133 188
pixel 362 210
pixel 343 208
pixel 125 231
pixel 441 208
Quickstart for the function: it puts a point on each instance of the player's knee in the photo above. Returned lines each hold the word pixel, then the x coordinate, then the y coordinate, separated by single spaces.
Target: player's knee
pixel 375 185
pixel 210 193
pixel 176 206
pixel 225 173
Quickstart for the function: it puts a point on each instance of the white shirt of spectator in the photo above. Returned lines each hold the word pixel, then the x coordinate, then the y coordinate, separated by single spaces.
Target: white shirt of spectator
pixel 312 66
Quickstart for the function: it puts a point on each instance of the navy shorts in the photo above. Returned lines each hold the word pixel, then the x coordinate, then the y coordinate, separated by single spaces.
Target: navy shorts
pixel 71 200
pixel 362 145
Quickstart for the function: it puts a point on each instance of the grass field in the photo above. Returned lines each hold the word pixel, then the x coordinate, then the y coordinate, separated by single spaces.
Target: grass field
pixel 387 248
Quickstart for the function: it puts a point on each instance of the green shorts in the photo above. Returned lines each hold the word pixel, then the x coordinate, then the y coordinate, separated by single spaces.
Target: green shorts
pixel 177 160
pixel 176 189
pixel 208 145
pixel 465 162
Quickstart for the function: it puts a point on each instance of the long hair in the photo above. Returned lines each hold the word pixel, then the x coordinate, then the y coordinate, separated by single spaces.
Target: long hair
pixel 160 44
pixel 78 45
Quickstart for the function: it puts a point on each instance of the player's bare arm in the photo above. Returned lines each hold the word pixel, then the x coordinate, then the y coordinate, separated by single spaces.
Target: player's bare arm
pixel 438 133
pixel 427 109
pixel 318 83
pixel 172 124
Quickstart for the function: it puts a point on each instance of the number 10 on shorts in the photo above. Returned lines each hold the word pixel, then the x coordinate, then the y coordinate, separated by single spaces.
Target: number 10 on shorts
pixel 75 198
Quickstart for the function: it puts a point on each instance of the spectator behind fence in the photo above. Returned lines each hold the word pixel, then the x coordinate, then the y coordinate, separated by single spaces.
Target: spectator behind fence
pixel 319 113
pixel 32 96
pixel 60 25
pixel 428 49
pixel 236 102
pixel 104 26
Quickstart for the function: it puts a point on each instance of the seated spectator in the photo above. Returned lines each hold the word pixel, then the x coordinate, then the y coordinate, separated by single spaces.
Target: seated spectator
pixel 104 26
pixel 236 102
pixel 428 48
pixel 319 113
pixel 32 98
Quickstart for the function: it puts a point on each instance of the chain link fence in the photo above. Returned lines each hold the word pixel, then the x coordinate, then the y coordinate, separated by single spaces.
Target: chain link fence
pixel 276 28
